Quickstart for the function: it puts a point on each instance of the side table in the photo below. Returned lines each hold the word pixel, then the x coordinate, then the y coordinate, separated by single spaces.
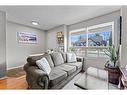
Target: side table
pixel 123 78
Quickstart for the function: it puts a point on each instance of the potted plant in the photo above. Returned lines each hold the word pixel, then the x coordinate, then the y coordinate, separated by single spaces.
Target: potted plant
pixel 113 54
pixel 72 49
pixel 112 65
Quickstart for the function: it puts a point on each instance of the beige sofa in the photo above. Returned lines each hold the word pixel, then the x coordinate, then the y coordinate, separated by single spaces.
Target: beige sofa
pixel 61 72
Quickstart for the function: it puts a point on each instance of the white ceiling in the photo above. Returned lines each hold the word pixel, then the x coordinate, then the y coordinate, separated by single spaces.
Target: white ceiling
pixel 51 16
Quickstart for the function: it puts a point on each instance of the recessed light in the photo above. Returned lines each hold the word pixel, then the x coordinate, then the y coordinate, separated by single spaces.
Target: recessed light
pixel 35 23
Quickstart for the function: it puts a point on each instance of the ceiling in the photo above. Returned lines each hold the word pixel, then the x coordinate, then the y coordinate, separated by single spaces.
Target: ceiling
pixel 52 16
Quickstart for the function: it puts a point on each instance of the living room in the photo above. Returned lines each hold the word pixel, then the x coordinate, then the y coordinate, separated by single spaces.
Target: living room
pixel 76 42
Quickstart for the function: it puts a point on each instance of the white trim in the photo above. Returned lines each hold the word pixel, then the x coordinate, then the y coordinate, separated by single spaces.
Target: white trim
pixel 93 47
pixel 101 25
pixel 120 51
pixel 3 78
pixel 36 54
pixel 65 38
pixel 77 30
pixel 69 42
pixel 87 37
pixel 113 38
pixel 15 67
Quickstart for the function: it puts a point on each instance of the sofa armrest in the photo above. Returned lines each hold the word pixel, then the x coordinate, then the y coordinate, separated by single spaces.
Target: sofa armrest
pixel 36 78
pixel 82 59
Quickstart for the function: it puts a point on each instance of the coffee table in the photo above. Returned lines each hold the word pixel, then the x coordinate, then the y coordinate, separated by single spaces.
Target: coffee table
pixel 87 81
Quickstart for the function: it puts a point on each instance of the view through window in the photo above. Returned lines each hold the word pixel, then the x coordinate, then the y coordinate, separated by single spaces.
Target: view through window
pixel 93 40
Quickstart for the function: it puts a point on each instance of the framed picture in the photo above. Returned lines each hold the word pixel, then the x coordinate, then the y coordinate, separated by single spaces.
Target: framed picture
pixel 28 38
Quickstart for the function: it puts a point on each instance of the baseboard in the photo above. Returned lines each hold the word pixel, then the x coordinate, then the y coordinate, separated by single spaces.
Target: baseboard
pixel 3 78
pixel 15 67
pixel 11 69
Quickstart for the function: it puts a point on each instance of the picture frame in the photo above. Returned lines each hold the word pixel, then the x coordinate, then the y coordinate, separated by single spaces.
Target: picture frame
pixel 27 38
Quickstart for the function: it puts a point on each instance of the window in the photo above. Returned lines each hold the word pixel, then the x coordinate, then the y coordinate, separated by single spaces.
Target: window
pixel 100 36
pixel 91 41
pixel 78 38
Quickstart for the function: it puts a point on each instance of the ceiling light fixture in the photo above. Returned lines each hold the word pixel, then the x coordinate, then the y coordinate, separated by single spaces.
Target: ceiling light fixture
pixel 35 23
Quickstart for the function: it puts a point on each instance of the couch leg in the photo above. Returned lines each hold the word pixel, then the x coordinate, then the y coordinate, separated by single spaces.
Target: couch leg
pixel 28 87
pixel 82 71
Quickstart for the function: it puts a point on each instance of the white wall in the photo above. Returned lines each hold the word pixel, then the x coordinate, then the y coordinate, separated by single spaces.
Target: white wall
pixel 124 36
pixel 16 53
pixel 2 44
pixel 94 21
pixel 51 41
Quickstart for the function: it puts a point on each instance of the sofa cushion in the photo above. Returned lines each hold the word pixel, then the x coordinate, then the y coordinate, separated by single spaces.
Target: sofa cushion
pixel 57 58
pixel 56 75
pixel 69 69
pixel 77 64
pixel 49 59
pixel 64 56
pixel 71 57
pixel 32 59
pixel 44 65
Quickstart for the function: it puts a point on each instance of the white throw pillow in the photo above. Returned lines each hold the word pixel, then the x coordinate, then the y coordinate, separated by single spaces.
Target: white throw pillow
pixel 44 65
pixel 71 57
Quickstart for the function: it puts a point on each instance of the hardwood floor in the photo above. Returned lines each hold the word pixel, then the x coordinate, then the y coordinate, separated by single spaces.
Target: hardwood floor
pixel 19 83
pixel 14 83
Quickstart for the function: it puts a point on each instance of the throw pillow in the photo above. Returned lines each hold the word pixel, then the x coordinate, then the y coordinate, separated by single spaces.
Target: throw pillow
pixel 44 65
pixel 71 57
pixel 64 55
pixel 57 58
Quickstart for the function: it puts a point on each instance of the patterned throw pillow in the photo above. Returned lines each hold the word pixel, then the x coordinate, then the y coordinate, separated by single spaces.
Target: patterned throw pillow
pixel 44 65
